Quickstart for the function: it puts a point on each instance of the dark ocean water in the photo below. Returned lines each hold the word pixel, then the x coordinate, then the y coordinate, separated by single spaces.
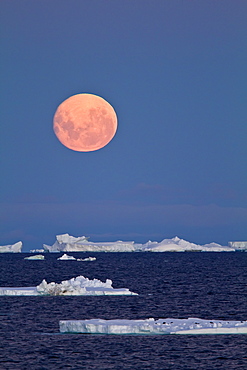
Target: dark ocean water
pixel 178 285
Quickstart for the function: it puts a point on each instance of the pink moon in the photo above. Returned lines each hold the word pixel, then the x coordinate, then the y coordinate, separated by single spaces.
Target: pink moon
pixel 85 122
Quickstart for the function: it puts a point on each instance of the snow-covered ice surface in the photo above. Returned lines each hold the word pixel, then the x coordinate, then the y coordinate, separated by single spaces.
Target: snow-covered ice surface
pixel 152 326
pixel 13 248
pixel 75 286
pixel 36 257
pixel 67 243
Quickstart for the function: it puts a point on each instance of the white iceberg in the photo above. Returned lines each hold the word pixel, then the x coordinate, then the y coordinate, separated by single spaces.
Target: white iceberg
pixel 153 327
pixel 36 257
pixel 238 246
pixel 66 257
pixel 67 243
pixel 13 248
pixel 75 286
pixel 37 250
pixel 179 245
pixel 86 259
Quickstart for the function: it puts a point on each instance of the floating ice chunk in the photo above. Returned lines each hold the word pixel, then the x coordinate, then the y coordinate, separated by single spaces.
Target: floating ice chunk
pixel 81 286
pixel 65 257
pixel 152 326
pixel 37 250
pixel 75 286
pixel 13 248
pixel 36 257
pixel 86 259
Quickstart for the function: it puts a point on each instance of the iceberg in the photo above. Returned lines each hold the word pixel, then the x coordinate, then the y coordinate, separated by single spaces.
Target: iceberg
pixel 37 250
pixel 67 243
pixel 179 245
pixel 65 257
pixel 36 257
pixel 238 246
pixel 86 259
pixel 75 286
pixel 13 248
pixel 153 327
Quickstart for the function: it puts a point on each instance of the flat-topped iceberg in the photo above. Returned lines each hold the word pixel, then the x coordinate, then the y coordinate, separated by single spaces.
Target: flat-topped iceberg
pixel 238 246
pixel 67 243
pixel 90 259
pixel 75 286
pixel 36 257
pixel 12 248
pixel 152 326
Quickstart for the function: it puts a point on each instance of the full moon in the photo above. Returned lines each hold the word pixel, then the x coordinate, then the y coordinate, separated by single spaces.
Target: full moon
pixel 85 122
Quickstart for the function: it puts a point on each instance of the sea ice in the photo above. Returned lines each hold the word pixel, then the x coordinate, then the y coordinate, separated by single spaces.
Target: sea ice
pixel 36 257
pixel 75 286
pixel 69 243
pixel 13 248
pixel 152 326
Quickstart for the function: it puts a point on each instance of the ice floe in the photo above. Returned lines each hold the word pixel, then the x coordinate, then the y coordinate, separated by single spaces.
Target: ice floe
pixel 36 257
pixel 152 326
pixel 75 286
pixel 13 248
pixel 86 259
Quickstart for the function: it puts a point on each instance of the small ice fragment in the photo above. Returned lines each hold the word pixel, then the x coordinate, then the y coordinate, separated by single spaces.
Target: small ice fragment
pixel 36 257
pixel 66 257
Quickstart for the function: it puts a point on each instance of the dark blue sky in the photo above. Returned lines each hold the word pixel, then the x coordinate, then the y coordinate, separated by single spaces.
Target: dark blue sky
pixel 175 73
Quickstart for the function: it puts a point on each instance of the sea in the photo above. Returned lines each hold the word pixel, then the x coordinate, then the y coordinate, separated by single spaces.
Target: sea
pixel 169 285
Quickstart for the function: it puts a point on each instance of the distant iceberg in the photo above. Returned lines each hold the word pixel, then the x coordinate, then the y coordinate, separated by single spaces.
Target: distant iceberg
pixel 153 327
pixel 75 286
pixel 90 259
pixel 37 251
pixel 13 248
pixel 36 257
pixel 67 243
pixel 179 245
pixel 65 257
pixel 238 246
